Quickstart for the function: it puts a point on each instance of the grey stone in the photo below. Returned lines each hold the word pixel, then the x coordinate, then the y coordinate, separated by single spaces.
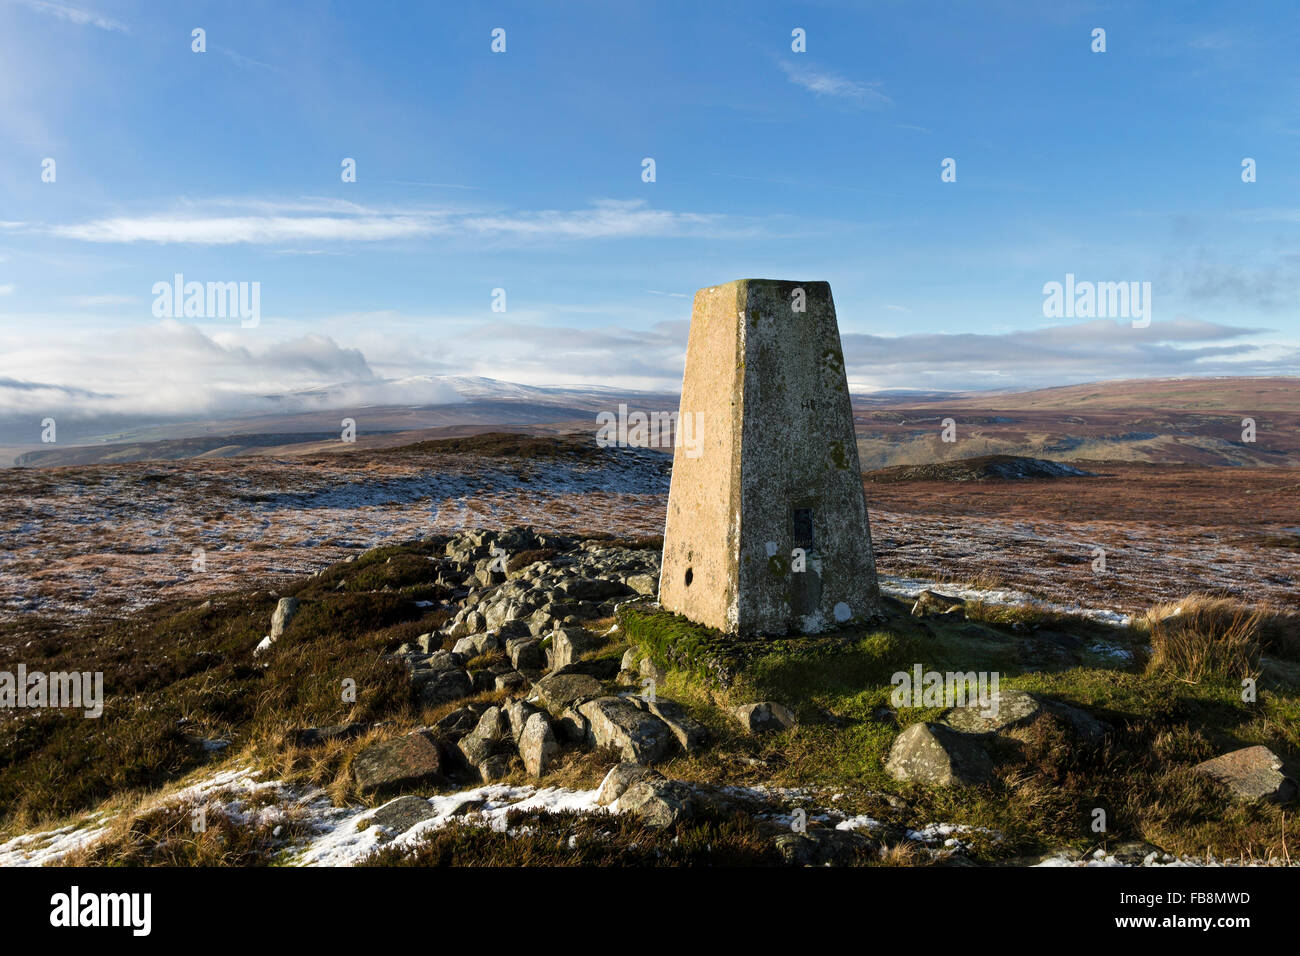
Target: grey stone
pixel 285 609
pixel 537 744
pixel 648 668
pixel 486 738
pixel 938 755
pixel 446 686
pixel 570 643
pixel 572 727
pixel 398 816
pixel 643 583
pixel 557 691
pixel 659 803
pixel 623 727
pixel 1010 708
pixel 517 713
pixel 526 653
pixel 457 724
pixel 932 602
pixel 822 847
pixel 510 680
pixel 1252 773
pixel 690 733
pixel 494 767
pixel 620 777
pixel 409 760
pixel 590 589
pixel 764 717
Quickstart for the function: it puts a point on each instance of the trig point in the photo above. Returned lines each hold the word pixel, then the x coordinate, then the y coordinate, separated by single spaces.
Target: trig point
pixel 767 527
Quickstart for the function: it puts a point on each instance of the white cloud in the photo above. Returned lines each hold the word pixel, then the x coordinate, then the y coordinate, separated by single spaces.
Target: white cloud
pixel 174 371
pixel 78 15
pixel 865 95
pixel 7 289
pixel 606 219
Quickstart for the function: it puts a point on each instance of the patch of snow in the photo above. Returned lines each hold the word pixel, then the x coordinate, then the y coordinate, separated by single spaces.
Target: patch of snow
pixel 906 587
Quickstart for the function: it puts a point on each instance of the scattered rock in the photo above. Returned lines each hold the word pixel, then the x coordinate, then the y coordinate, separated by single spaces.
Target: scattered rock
pixel 938 755
pixel 485 739
pixel 932 602
pixel 410 760
pixel 525 653
pixel 1134 852
pixel 1013 708
pixel 822 847
pixel 517 713
pixel 537 744
pixel 285 609
pixel 643 583
pixel 1009 708
pixel 457 724
pixel 572 726
pixel 398 816
pixel 494 768
pixel 1252 773
pixel 557 691
pixel 649 669
pixel 510 681
pixel 620 777
pixel 570 643
pixel 620 725
pixel 445 686
pixel 658 802
pixel 764 717
pixel 690 733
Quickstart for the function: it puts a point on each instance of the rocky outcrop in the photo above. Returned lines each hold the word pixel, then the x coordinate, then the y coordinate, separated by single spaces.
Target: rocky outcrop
pixel 764 717
pixel 936 754
pixel 932 602
pixel 1251 774
pixel 285 609
pixel 537 744
pixel 411 760
pixel 619 725
pixel 1010 709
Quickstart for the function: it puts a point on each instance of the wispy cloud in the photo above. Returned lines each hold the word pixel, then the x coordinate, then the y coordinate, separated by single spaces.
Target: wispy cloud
pixel 822 83
pixel 78 15
pixel 606 219
pixel 7 289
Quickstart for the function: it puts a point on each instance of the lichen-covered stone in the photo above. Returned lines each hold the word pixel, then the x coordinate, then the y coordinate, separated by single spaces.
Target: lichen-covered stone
pixel 940 756
pixel 1252 773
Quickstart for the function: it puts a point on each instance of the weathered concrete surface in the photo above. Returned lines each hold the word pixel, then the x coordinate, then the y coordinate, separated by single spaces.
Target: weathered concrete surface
pixel 777 458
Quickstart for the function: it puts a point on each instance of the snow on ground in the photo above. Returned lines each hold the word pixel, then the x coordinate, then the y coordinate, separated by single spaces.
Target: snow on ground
pixel 344 836
pixel 49 846
pixel 909 587
pixel 1102 858
pixel 350 837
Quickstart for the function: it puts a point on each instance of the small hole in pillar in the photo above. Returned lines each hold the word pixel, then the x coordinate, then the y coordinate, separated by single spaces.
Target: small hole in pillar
pixel 690 575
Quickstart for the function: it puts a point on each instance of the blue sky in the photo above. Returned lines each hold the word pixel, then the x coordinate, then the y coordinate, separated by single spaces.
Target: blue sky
pixel 523 170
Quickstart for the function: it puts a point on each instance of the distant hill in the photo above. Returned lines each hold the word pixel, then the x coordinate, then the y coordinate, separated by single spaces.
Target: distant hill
pixel 1193 421
pixel 1197 421
pixel 984 468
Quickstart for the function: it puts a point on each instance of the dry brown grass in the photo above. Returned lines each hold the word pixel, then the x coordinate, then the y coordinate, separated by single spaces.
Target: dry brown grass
pixel 1205 637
